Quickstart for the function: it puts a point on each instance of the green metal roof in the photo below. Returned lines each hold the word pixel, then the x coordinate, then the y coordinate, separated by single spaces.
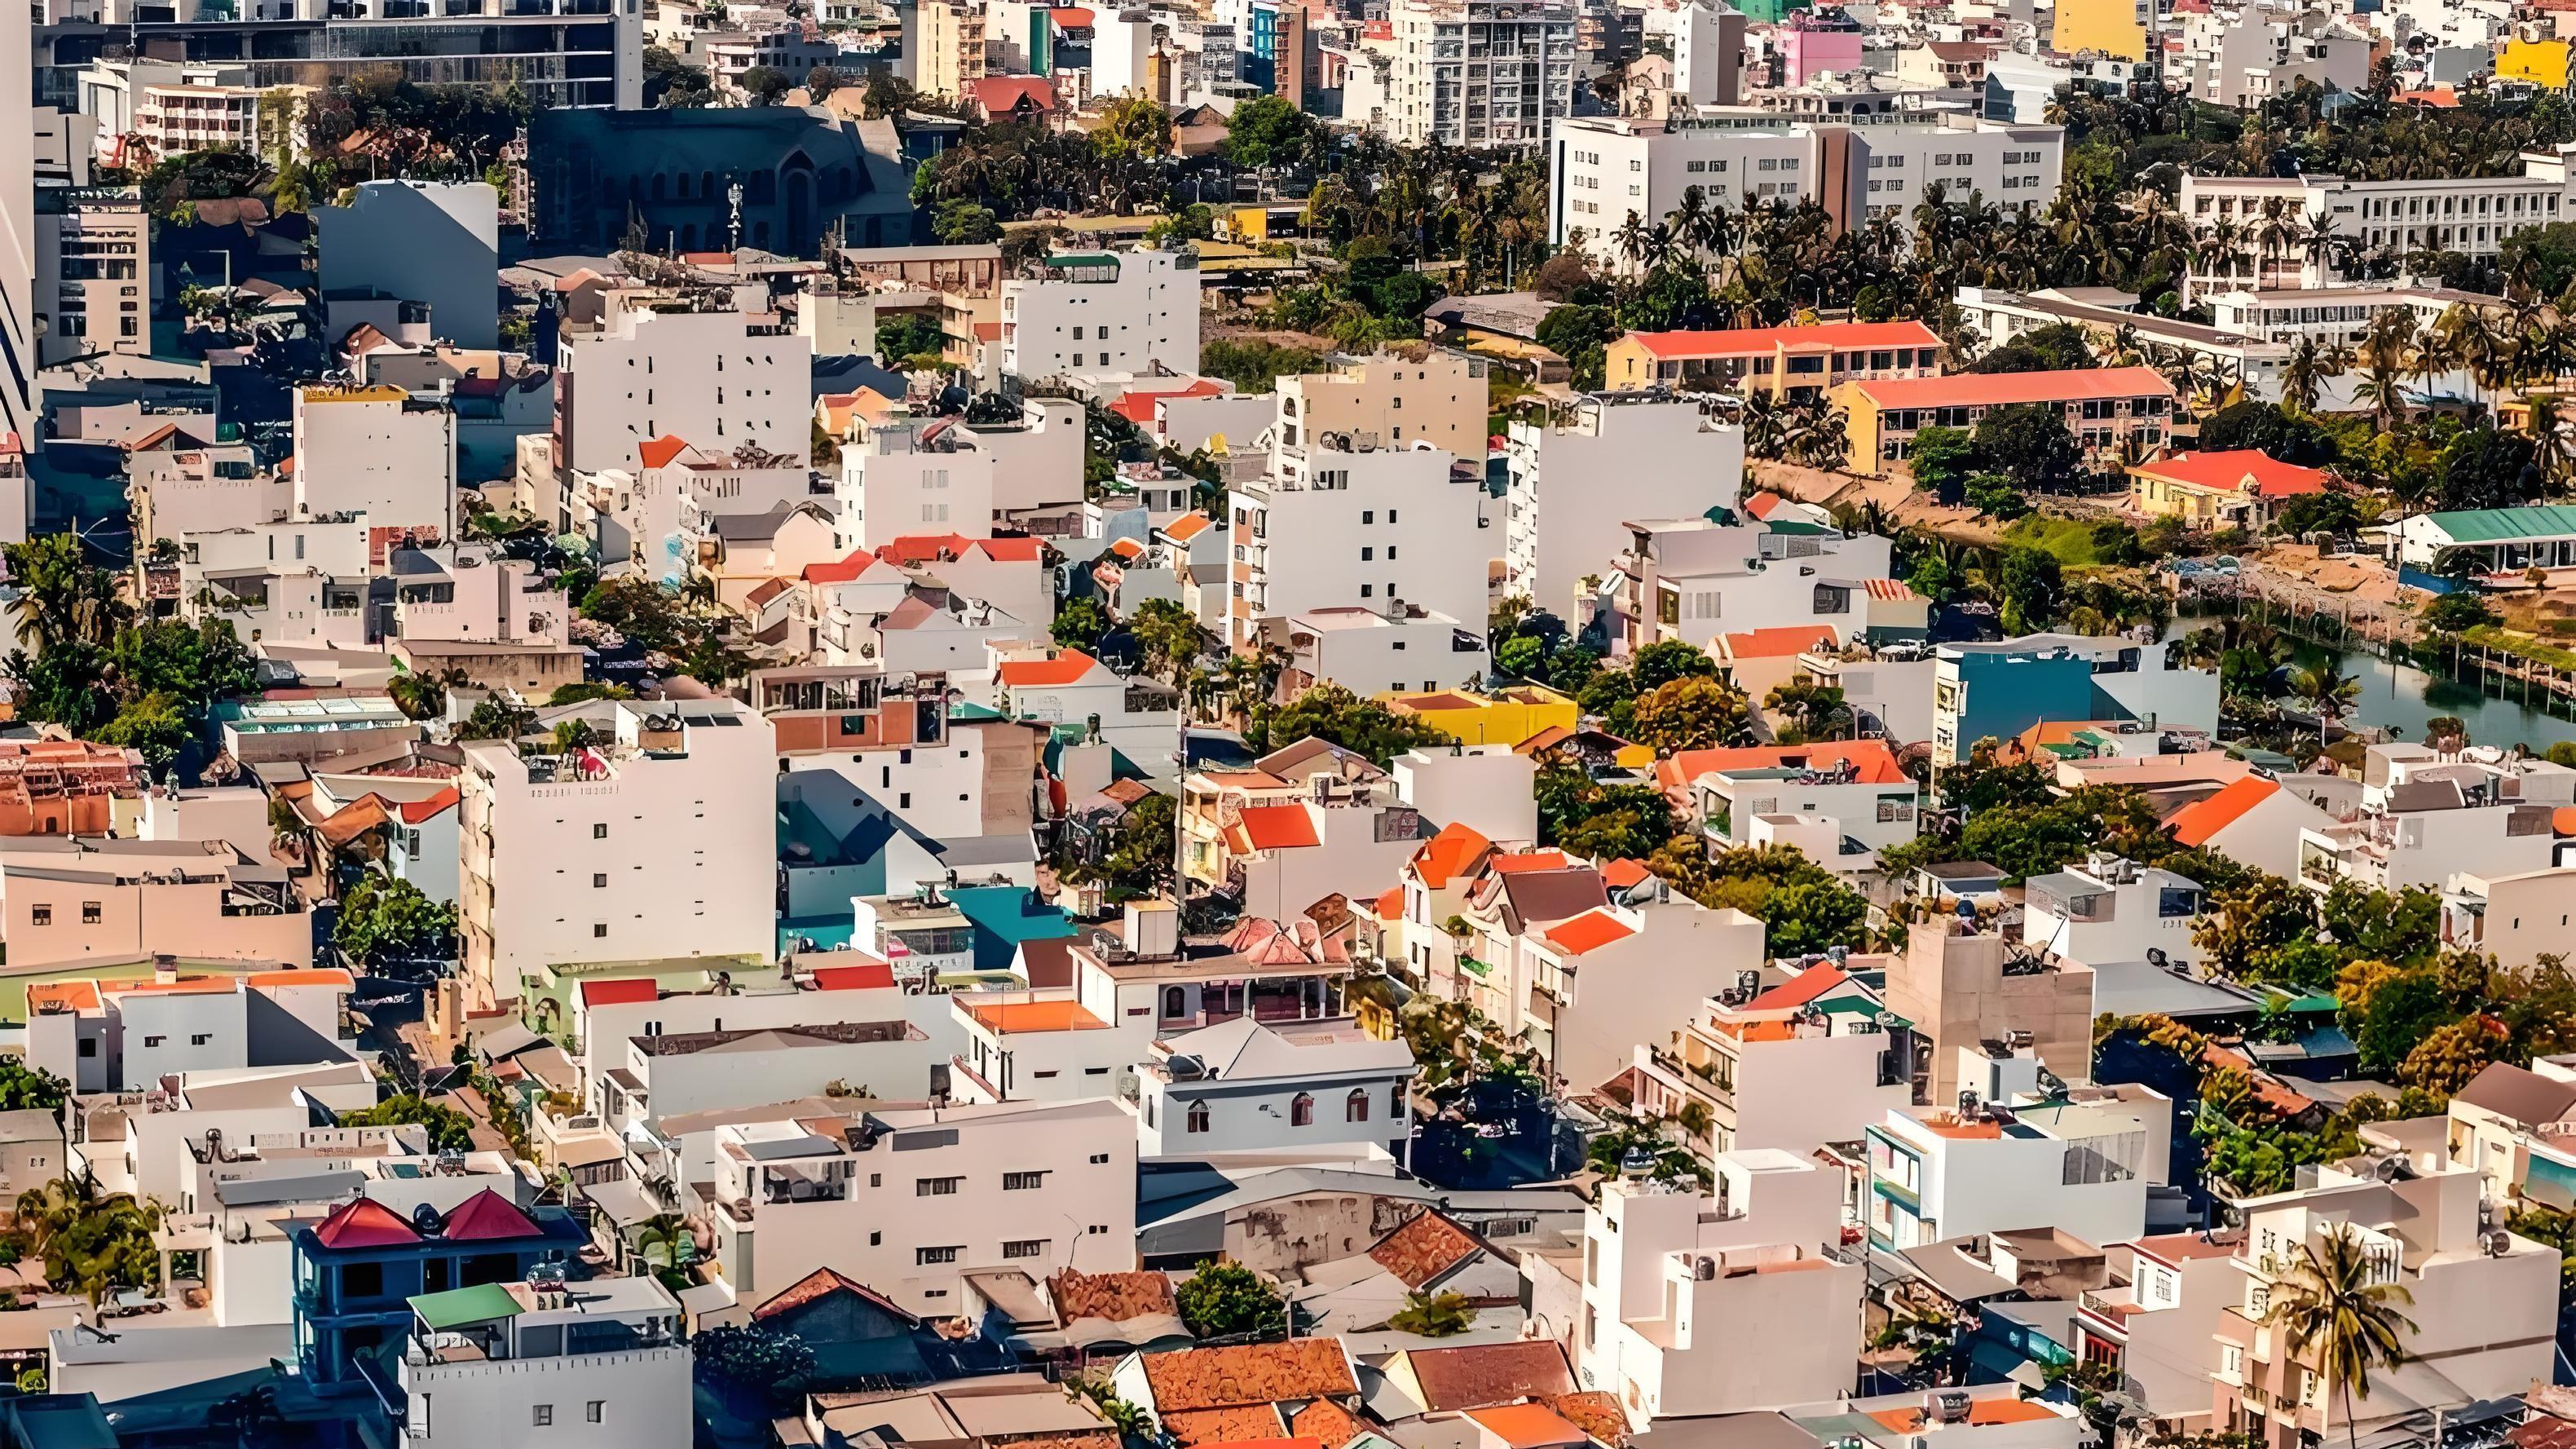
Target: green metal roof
pixel 2498 525
pixel 481 1303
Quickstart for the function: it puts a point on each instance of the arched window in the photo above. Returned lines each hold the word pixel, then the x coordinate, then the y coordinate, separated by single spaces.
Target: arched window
pixel 680 186
pixel 1198 1117
pixel 661 185
pixel 1172 1000
pixel 1301 1110
pixel 707 187
pixel 1355 1106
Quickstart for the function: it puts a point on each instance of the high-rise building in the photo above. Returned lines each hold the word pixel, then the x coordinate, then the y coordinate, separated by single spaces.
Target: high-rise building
pixel 1481 73
pixel 17 236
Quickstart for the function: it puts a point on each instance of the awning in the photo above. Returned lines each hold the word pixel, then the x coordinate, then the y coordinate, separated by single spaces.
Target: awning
pixel 621 1201
pixel 482 1303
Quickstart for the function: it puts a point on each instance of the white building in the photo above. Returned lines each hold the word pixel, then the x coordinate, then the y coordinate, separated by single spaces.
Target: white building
pixel 1336 526
pixel 2427 816
pixel 2110 910
pixel 1480 73
pixel 1240 1086
pixel 909 1199
pixel 659 842
pixel 1605 167
pixel 598 1364
pixel 723 381
pixel 2468 215
pixel 1371 651
pixel 1943 1174
pixel 1814 1058
pixel 1620 456
pixel 914 479
pixel 1103 312
pixel 374 450
pixel 1694 579
pixel 1735 1301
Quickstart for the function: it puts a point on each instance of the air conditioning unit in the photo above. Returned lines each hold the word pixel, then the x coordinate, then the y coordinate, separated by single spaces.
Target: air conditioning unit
pixel 2499 1243
pixel 1946 1406
pixel 1705 1270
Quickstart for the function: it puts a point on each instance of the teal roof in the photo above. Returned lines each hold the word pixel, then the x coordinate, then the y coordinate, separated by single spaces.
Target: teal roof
pixel 1013 913
pixel 977 713
pixel 2499 525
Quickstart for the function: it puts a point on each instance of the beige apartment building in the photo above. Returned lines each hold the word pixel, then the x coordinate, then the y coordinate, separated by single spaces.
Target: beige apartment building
pixel 1437 398
pixel 1965 991
pixel 93 274
pixel 77 901
pixel 952 47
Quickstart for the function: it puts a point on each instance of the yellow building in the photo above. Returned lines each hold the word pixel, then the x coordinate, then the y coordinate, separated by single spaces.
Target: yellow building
pixel 2541 62
pixel 1399 396
pixel 1505 717
pixel 2117 28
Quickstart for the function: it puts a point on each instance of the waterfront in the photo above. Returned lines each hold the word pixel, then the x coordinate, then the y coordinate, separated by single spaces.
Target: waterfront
pixel 2401 697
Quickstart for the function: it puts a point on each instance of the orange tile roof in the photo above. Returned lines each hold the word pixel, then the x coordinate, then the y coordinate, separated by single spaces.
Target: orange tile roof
pixel 63 996
pixel 1234 1424
pixel 1528 1426
pixel 1588 932
pixel 1188 526
pixel 1892 589
pixel 1012 550
pixel 658 452
pixel 1596 1412
pixel 1033 1016
pixel 823 1283
pixel 1618 875
pixel 1390 903
pixel 1136 405
pixel 1822 337
pixel 184 986
pixel 1550 858
pixel 1272 827
pixel 1065 668
pixel 858 563
pixel 2196 823
pixel 1779 643
pixel 1258 1373
pixel 1113 1296
pixel 1808 985
pixel 1326 1424
pixel 1875 763
pixel 1426 1246
pixel 2229 471
pixel 622 991
pixel 2001 389
pixel 1963 1131
pixel 1448 853
pixel 1909 1420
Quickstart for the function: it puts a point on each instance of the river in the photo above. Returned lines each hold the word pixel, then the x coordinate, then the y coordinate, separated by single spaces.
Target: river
pixel 2401 697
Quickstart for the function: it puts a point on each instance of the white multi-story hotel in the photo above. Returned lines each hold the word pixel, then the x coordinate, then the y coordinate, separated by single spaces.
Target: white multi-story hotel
pixel 1481 72
pixel 1103 312
pixel 1606 167
pixel 1336 523
pixel 2274 216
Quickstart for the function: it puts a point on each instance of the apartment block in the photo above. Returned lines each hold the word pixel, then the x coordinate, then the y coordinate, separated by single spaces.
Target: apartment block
pixel 1397 398
pixel 1785 362
pixel 94 273
pixel 656 842
pixel 2105 407
pixel 725 381
pixel 1103 312
pixel 1962 990
pixel 1481 73
pixel 1790 1063
pixel 73 901
pixel 1338 523
pixel 376 451
pixel 1619 456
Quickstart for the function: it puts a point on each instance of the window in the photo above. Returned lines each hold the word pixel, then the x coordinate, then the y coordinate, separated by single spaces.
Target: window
pixel 89 913
pixel 1023 1181
pixel 1301 1110
pixel 1024 1248
pixel 935 1186
pixel 1198 1117
pixel 599 880
pixel 928 1257
pixel 200 1038
pixel 1355 1106
pixel 542 1415
pixel 1395 1101
pixel 154 1041
pixel 599 930
pixel 599 831
pixel 597 1411
pixel 43 915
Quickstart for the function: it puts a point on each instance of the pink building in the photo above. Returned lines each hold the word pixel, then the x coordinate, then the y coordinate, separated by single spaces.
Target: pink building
pixel 1814 43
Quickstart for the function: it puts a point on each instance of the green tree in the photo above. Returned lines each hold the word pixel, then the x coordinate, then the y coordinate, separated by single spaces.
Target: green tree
pixel 751 1363
pixel 960 222
pixel 449 1130
pixel 766 85
pixel 1268 131
pixel 2030 443
pixel 495 719
pixel 1942 458
pixel 1434 1315
pixel 2058 347
pixel 585 692
pixel 1688 714
pixel 2456 613
pixel 1133 126
pixel 1580 335
pixel 1080 623
pixel 2271 429
pixel 2032 589
pixel 1223 1300
pixel 383 918
pixel 24 1088
pixel 1333 714
pixel 2335 1312
pixel 1170 636
pixel 1802 906
pixel 156 725
pixel 1138 861
pixel 92 1243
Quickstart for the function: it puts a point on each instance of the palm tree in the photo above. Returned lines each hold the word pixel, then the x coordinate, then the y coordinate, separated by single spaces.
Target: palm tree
pixel 664 1244
pixel 2326 691
pixel 2337 1314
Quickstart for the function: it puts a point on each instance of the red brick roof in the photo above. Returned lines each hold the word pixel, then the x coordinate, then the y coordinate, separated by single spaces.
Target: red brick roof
pixel 999 95
pixel 1590 931
pixel 1238 1424
pixel 1065 668
pixel 1424 1247
pixel 1876 763
pixel 1597 1413
pixel 620 992
pixel 1272 827
pixel 2001 389
pixel 1258 1373
pixel 1778 643
pixel 822 1283
pixel 1474 1376
pixel 658 452
pixel 365 1223
pixel 1798 990
pixel 1325 1423
pixel 487 1217
pixel 1113 1296
pixel 866 976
